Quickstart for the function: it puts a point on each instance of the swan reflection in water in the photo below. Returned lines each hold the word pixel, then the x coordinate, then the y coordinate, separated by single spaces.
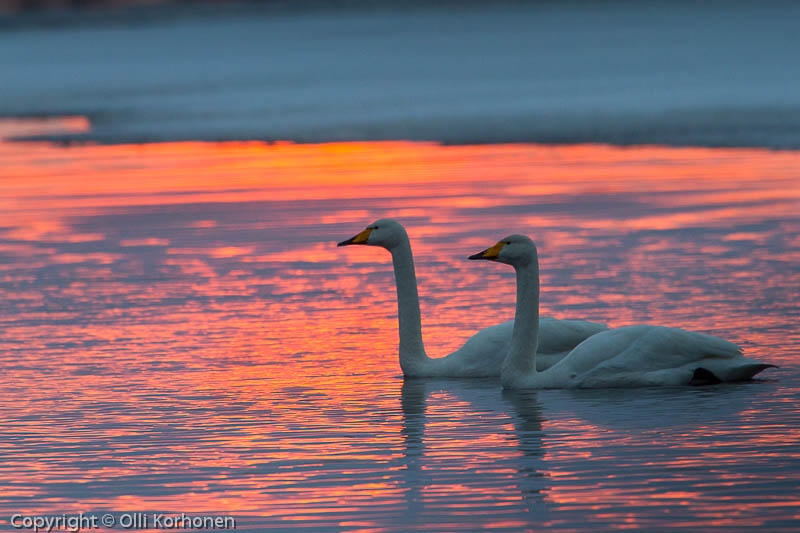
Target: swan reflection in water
pixel 435 411
pixel 539 448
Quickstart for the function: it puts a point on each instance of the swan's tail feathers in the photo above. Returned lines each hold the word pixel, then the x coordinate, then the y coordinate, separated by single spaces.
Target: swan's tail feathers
pixel 703 376
pixel 740 372
pixel 745 372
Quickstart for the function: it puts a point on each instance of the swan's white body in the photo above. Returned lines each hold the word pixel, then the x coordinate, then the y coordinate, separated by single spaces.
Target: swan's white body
pixel 483 354
pixel 631 356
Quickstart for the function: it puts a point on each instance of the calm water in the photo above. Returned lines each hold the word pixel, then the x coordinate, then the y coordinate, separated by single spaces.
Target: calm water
pixel 465 72
pixel 180 334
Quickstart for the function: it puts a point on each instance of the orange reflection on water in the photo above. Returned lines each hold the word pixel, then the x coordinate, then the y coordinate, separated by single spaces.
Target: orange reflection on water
pixel 189 338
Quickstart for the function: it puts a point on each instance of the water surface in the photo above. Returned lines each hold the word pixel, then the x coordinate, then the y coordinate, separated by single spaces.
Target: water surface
pixel 179 333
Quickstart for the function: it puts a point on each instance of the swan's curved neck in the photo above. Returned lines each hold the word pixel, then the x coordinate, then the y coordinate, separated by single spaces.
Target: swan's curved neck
pixel 412 350
pixel 521 358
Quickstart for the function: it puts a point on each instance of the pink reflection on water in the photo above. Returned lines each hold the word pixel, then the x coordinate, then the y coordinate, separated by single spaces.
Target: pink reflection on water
pixel 188 337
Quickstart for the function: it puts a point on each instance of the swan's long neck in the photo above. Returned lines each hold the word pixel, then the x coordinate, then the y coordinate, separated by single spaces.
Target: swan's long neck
pixel 521 358
pixel 412 351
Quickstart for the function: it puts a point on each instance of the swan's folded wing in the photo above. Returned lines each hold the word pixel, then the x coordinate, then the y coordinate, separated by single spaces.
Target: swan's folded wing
pixel 491 340
pixel 660 348
pixel 651 355
pixel 609 349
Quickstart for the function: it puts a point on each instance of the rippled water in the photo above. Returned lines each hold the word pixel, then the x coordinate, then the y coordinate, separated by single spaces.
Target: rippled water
pixel 179 333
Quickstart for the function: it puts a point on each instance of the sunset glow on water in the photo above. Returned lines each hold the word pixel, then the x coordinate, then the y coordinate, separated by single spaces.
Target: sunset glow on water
pixel 180 333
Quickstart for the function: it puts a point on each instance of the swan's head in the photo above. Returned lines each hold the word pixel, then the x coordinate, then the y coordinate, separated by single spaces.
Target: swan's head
pixel 514 250
pixel 385 232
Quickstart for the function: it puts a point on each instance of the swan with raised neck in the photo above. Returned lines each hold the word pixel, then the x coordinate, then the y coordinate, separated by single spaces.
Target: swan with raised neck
pixel 630 356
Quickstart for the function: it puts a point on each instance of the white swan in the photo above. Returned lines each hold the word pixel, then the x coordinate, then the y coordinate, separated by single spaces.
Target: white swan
pixel 483 354
pixel 630 356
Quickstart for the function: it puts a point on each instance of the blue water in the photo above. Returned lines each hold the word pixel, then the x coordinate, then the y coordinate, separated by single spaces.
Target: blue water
pixel 683 73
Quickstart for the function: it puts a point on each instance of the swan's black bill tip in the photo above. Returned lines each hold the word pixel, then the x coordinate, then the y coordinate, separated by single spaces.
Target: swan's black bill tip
pixel 479 255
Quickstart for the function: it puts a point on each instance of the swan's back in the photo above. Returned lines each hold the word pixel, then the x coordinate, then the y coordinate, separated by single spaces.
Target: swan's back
pixel 655 355
pixel 481 356
pixel 562 336
pixel 483 353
